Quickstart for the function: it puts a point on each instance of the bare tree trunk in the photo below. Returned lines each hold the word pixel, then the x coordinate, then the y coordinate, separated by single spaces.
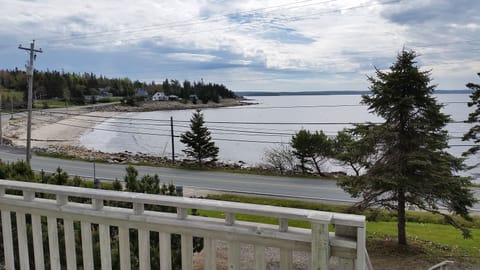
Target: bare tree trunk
pixel 401 222
pixel 315 162
pixel 357 171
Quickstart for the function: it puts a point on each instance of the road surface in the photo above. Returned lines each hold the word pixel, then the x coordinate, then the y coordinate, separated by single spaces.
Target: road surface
pixel 291 187
pixel 294 187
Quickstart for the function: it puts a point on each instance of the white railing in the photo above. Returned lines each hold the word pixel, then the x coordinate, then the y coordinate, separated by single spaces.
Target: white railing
pixel 32 212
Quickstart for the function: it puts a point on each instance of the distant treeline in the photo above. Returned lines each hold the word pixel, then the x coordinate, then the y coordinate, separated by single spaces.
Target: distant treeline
pixel 74 86
pixel 331 92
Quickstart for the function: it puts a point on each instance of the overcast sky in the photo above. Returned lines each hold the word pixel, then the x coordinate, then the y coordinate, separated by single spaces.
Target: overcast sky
pixel 246 44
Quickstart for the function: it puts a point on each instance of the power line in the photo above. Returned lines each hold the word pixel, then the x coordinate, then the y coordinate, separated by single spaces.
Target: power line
pixel 176 136
pixel 180 23
pixel 32 52
pixel 239 122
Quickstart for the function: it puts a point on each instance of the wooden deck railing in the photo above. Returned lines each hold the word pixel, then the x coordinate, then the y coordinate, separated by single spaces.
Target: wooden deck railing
pixel 31 213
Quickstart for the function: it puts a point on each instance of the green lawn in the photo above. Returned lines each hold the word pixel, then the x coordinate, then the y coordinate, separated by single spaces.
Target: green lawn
pixel 427 233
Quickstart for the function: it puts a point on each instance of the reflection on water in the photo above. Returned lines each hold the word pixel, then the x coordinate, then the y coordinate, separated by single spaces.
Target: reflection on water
pixel 279 118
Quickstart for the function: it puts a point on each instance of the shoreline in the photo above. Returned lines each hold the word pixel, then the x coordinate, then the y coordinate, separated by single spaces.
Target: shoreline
pixel 60 130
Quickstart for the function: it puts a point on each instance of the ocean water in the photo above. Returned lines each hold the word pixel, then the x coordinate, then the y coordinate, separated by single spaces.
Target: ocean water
pixel 245 133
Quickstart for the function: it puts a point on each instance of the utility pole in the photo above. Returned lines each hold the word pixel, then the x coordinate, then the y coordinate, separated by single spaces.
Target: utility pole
pixel 32 52
pixel 11 107
pixel 173 140
pixel 1 138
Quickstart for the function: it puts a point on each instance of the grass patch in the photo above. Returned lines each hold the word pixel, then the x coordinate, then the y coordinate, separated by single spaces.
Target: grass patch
pixel 58 155
pixel 429 238
pixel 371 214
pixel 48 103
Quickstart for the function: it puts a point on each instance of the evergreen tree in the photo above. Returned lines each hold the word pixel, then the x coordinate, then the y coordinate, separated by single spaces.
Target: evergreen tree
pixel 313 147
pixel 352 151
pixel 131 183
pixel 474 117
pixel 412 166
pixel 198 141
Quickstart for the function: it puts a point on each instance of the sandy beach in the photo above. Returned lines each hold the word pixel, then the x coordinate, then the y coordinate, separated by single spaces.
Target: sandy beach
pixel 53 127
pixel 62 128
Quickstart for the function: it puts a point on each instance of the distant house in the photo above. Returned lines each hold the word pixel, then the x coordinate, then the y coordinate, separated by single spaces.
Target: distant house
pixel 172 97
pixel 159 96
pixel 193 98
pixel 141 93
pixel 103 92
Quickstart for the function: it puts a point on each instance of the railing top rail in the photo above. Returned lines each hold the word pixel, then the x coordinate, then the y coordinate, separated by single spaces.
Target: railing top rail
pixel 189 203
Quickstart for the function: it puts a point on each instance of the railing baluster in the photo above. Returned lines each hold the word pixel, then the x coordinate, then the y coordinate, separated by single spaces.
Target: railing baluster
pixel 283 225
pixel 144 249
pixel 182 213
pixel 233 255
pixel 87 249
pixel 7 240
pixel 187 251
pixel 97 204
pixel 229 219
pixel 70 244
pixel 28 196
pixel 53 243
pixel 361 248
pixel 124 246
pixel 286 259
pixel 138 208
pixel 38 242
pixel 105 248
pixel 22 241
pixel 260 264
pixel 210 253
pixel 165 251
pixel 320 246
pixel 347 243
pixel 62 199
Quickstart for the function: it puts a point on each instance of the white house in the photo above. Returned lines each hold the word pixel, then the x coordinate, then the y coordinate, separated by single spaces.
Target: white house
pixel 159 96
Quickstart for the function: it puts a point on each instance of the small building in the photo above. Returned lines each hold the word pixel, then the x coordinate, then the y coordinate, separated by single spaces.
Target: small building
pixel 141 93
pixel 193 98
pixel 103 92
pixel 173 97
pixel 159 96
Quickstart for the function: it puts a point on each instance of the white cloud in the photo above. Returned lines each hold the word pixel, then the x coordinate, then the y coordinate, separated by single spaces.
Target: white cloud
pixel 192 57
pixel 317 36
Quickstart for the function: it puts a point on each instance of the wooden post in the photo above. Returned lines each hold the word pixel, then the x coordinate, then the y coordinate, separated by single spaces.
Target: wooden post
pixel 260 258
pixel 361 248
pixel 22 240
pixel 70 244
pixel 187 251
pixel 165 251
pixel 144 249
pixel 124 246
pixel 7 240
pixel 210 251
pixel 233 255
pixel 105 248
pixel 320 246
pixel 53 243
pixel 87 247
pixel 38 242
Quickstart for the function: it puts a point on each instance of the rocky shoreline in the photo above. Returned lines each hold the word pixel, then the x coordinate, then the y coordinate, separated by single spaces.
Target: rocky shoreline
pixel 149 106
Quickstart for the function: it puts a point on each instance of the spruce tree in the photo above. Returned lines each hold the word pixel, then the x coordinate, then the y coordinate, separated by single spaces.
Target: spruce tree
pixel 199 144
pixel 314 147
pixel 473 134
pixel 411 165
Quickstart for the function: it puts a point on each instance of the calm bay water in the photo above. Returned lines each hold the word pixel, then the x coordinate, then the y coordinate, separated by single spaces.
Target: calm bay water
pixel 270 122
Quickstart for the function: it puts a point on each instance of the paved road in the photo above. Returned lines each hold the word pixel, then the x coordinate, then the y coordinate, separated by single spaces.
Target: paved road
pixel 319 190
pixel 244 183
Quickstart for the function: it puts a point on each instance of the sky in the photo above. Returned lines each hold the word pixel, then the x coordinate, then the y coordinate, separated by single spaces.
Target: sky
pixel 247 45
